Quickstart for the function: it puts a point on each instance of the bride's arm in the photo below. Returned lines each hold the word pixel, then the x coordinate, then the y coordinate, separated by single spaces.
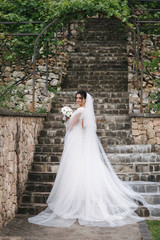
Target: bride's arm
pixel 74 120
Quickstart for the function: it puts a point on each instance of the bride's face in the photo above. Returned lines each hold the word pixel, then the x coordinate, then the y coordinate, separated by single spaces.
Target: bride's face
pixel 80 100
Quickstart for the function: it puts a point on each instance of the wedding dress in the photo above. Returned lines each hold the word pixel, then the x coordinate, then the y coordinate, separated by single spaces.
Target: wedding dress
pixel 86 187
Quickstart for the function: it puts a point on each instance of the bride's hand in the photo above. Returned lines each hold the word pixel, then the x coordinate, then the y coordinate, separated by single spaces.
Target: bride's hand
pixel 67 118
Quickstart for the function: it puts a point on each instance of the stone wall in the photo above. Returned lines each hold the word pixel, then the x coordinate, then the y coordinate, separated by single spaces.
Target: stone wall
pixel 58 60
pixel 150 45
pixel 146 129
pixel 18 136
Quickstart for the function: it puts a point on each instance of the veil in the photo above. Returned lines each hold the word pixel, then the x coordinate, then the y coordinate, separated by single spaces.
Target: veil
pixel 92 143
pixel 89 116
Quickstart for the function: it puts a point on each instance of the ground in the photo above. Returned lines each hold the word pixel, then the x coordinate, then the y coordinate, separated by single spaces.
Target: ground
pixel 20 229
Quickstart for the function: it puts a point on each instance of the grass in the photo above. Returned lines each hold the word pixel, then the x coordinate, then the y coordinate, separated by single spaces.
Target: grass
pixel 154 228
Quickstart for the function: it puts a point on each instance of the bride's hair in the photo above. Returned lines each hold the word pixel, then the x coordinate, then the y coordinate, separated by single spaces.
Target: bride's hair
pixel 82 93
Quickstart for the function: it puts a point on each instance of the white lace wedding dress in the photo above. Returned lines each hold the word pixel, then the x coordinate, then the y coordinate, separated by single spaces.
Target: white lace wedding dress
pixel 86 187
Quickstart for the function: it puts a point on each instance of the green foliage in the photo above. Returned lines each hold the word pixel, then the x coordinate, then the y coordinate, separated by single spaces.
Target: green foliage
pixel 147 28
pixel 154 103
pixel 152 65
pixel 21 48
pixel 13 96
pixel 154 61
pixel 40 110
pixel 154 227
pixel 52 89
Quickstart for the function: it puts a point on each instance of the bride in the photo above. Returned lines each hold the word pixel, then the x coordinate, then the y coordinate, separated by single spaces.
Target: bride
pixel 86 187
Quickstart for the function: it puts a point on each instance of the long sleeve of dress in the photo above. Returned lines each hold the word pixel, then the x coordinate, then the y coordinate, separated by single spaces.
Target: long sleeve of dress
pixel 76 118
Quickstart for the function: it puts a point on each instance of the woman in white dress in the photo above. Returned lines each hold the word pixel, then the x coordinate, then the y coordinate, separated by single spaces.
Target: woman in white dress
pixel 86 187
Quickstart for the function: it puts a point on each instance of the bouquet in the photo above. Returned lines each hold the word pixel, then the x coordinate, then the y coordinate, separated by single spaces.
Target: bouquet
pixel 67 112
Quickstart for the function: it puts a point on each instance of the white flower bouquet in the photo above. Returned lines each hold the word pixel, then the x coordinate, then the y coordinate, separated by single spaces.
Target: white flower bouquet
pixel 67 112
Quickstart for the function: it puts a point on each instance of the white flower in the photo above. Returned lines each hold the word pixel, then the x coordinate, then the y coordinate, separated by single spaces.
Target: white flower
pixel 66 111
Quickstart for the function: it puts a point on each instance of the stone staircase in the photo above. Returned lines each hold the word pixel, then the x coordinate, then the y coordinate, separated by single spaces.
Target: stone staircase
pixel 99 66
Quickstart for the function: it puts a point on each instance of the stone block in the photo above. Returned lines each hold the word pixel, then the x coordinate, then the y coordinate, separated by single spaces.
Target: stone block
pixel 139 120
pixel 135 132
pixel 142 139
pixel 134 125
pixel 158 140
pixel 156 122
pixel 141 127
pixel 42 68
pixel 157 129
pixel 152 141
pixel 18 74
pixel 149 126
pixel 150 133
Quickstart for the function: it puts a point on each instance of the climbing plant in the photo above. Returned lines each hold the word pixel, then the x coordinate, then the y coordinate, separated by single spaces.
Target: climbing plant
pixel 21 47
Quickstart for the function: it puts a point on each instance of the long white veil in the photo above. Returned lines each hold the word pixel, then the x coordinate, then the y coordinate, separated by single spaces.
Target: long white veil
pixel 89 116
pixel 87 188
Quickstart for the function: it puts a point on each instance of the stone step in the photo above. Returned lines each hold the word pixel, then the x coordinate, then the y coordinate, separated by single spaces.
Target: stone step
pixel 122 154
pixel 38 186
pixel 35 208
pixel 155 211
pixel 117 140
pixel 88 87
pixel 100 118
pixel 97 106
pixel 97 81
pixel 101 98
pixel 48 148
pixel 120 167
pixel 69 96
pixel 88 80
pixel 100 49
pixel 145 187
pixel 98 58
pixel 41 176
pixel 46 140
pixel 110 47
pixel 100 125
pixel 101 37
pixel 97 61
pixel 106 118
pixel 137 167
pixel 142 158
pixel 99 55
pixel 101 40
pixel 47 156
pixel 114 103
pixel 99 101
pixel 144 176
pixel 152 198
pixel 106 136
pixel 97 67
pixel 103 111
pixel 129 149
pixel 137 162
pixel 111 130
pixel 41 197
pixel 95 72
pixel 73 86
pixel 112 133
pixel 35 197
pixel 52 133
pixel 51 167
pixel 31 208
